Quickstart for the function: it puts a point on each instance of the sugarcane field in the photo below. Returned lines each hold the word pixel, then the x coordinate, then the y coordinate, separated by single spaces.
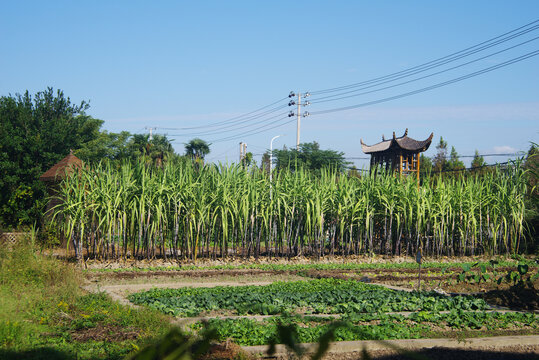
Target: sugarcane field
pixel 269 180
pixel 355 262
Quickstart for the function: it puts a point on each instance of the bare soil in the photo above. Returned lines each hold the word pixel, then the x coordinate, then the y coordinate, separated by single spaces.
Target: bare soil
pixel 104 333
pixel 242 277
pixel 226 351
pixel 516 298
pixel 236 261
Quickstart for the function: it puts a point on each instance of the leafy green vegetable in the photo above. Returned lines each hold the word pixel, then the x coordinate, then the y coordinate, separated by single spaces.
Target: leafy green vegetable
pixel 323 296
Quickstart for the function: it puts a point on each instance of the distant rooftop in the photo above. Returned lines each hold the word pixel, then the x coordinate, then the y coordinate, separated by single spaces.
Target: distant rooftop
pixel 404 142
pixel 62 168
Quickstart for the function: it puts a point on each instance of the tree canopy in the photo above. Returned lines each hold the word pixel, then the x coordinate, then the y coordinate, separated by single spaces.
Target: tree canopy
pixel 478 161
pixel 454 163
pixel 309 156
pixel 440 159
pixel 38 131
pixel 35 133
pixel 197 149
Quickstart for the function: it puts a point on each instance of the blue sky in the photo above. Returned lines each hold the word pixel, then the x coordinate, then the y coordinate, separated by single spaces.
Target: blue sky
pixel 180 64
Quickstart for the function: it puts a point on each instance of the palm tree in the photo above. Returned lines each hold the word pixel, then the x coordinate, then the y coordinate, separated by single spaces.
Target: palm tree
pixel 197 149
pixel 156 150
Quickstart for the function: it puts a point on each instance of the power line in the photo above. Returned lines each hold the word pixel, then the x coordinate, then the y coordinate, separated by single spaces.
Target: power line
pixel 471 168
pixel 432 87
pixel 254 132
pixel 460 156
pixel 228 121
pixel 487 155
pixel 222 153
pixel 225 130
pixel 339 97
pixel 440 61
pixel 234 124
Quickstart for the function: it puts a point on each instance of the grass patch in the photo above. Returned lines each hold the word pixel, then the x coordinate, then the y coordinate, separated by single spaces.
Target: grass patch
pixel 45 314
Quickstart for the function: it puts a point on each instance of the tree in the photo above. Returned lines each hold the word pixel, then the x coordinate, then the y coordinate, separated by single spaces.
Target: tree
pixel 478 161
pixel 197 149
pixel 454 163
pixel 354 172
pixel 248 159
pixel 440 159
pixel 160 149
pixel 265 162
pixel 36 133
pixel 425 165
pixel 309 156
pixel 109 146
pixel 155 151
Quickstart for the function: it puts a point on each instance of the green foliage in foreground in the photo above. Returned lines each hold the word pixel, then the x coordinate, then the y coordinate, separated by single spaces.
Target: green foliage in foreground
pixel 324 296
pixel 45 315
pixel 422 324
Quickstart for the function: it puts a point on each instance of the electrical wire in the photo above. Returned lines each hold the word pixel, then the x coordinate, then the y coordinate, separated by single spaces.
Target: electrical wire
pixel 488 155
pixel 460 156
pixel 233 124
pixel 339 97
pixel 432 87
pixel 221 154
pixel 253 132
pixel 227 121
pixel 440 61
pixel 235 128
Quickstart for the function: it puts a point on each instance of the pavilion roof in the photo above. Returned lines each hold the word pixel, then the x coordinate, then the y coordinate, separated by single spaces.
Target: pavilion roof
pixel 404 142
pixel 62 168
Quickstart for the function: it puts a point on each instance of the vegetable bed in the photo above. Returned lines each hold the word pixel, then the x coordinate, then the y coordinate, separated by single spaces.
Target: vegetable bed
pixel 367 312
pixel 323 296
pixel 457 323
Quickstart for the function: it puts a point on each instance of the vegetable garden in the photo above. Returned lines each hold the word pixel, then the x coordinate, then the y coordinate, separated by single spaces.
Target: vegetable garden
pixel 364 311
pixel 185 211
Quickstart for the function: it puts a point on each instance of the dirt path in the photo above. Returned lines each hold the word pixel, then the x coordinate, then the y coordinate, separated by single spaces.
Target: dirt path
pixel 499 347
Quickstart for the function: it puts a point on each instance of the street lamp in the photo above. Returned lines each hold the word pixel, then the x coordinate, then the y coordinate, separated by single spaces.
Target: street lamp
pixel 271 159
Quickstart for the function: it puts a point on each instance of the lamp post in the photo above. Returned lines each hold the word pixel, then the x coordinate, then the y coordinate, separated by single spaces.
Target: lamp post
pixel 271 160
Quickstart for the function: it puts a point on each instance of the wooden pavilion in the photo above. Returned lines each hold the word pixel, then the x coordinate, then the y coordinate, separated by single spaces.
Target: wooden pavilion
pixel 400 154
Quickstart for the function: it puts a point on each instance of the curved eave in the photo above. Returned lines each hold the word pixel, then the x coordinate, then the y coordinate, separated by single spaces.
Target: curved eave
pixel 404 143
pixel 409 144
pixel 381 146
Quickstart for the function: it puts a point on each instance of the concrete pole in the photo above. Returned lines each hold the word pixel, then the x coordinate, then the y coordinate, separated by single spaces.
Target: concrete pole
pixel 299 121
pixel 241 151
pixel 271 161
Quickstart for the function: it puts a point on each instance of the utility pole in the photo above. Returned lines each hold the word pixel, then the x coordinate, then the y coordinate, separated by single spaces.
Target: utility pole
pixel 271 162
pixel 243 151
pixel 151 129
pixel 298 112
